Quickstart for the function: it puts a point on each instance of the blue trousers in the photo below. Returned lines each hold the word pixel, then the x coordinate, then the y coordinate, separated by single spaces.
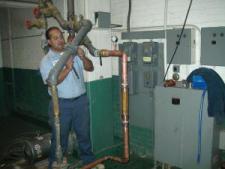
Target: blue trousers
pixel 74 113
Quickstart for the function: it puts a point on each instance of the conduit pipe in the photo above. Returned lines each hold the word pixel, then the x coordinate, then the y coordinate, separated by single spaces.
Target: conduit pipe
pixel 70 15
pixel 69 50
pixel 124 111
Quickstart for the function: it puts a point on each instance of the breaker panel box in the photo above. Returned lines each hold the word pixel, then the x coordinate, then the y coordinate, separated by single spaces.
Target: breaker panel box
pixel 186 50
pixel 212 46
pixel 178 140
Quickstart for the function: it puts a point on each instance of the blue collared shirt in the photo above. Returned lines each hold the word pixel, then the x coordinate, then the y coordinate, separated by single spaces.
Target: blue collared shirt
pixel 71 86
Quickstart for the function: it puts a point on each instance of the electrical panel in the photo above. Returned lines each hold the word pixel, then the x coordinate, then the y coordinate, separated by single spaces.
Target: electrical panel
pixel 145 71
pixel 212 46
pixel 186 47
pixel 182 139
pixel 131 49
pixel 103 19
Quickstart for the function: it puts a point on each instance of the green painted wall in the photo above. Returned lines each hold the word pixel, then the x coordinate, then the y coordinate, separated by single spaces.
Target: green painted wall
pixel 2 100
pixel 31 96
pixel 141 139
pixel 31 100
pixel 25 93
pixel 8 90
pixel 100 94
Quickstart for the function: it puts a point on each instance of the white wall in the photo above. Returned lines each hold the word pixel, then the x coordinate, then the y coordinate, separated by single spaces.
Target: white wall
pixel 146 14
pixel 1 63
pixel 149 15
pixel 21 47
pixel 101 38
pixel 92 6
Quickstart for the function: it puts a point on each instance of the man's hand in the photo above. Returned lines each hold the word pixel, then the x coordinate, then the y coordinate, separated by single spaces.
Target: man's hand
pixel 80 53
pixel 69 63
pixel 88 65
pixel 68 67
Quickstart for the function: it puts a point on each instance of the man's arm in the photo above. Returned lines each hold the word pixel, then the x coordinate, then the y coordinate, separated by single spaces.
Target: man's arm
pixel 88 65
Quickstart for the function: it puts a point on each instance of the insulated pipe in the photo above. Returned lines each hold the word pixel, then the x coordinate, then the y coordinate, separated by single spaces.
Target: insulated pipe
pixel 124 113
pixel 47 9
pixel 68 51
pixel 52 81
pixel 70 8
pixel 88 44
pixel 55 101
pixel 70 15
pixel 51 10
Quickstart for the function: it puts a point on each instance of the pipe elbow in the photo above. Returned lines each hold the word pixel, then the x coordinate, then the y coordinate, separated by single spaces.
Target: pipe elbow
pixel 69 50
pixel 86 23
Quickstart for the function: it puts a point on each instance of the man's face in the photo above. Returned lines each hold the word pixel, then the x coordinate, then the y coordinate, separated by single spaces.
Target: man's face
pixel 56 40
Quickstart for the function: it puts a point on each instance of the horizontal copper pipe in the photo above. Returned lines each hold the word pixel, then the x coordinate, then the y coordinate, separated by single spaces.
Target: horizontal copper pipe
pixel 107 53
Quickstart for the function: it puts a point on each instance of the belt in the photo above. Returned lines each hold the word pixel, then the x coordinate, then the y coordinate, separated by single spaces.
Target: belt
pixel 71 99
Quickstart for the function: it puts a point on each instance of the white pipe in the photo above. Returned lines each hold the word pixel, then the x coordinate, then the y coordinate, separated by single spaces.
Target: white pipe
pixel 11 54
pixel 15 4
pixel 165 32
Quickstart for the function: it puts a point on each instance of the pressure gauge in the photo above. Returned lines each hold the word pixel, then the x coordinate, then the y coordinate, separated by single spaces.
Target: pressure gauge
pixel 114 39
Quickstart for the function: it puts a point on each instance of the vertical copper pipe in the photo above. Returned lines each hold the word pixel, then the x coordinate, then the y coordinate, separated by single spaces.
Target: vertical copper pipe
pixel 125 118
pixel 124 111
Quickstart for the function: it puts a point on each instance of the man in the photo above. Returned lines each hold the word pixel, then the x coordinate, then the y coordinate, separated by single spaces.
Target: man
pixel 73 101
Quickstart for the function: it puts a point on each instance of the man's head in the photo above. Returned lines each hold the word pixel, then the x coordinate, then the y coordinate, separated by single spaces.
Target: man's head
pixel 55 39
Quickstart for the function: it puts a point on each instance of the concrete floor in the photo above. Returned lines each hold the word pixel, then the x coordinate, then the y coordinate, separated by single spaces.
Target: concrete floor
pixel 12 130
pixel 14 127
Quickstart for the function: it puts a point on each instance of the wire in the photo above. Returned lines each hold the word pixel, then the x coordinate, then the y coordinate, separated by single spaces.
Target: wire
pixel 179 40
pixel 200 128
pixel 128 16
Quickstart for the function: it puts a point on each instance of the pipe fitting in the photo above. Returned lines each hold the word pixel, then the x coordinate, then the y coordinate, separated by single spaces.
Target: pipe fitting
pixel 49 10
pixel 37 12
pixel 54 72
pixel 38 23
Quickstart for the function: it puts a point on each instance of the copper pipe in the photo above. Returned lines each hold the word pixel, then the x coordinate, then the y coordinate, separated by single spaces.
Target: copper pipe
pixel 107 53
pixel 124 112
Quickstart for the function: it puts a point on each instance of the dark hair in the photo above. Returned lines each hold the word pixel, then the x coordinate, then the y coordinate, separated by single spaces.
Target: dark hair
pixel 47 33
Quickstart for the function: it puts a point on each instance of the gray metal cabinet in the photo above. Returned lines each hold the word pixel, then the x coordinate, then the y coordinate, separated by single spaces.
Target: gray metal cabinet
pixel 177 139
